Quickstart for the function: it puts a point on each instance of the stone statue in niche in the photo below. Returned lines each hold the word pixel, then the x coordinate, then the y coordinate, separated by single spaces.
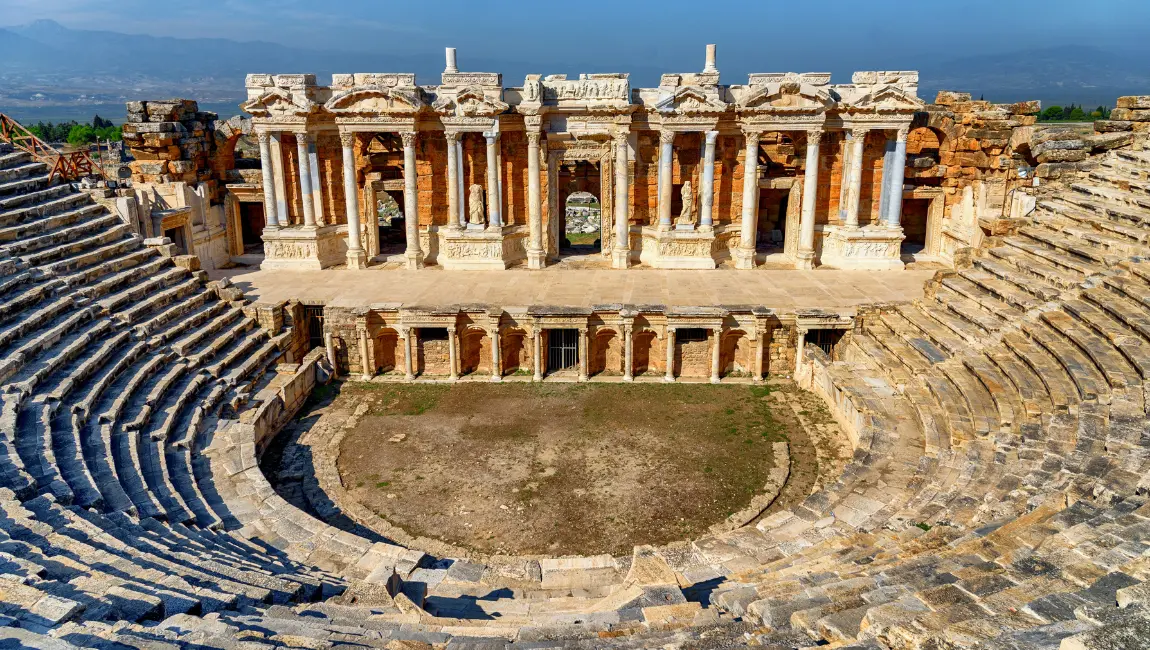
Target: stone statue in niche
pixel 686 220
pixel 476 214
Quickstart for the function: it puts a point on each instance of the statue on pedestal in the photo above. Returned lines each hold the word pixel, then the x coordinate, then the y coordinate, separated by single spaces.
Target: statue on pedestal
pixel 476 214
pixel 686 219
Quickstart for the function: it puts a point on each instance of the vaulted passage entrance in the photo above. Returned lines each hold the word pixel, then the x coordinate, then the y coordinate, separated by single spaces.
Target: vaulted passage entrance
pixel 562 350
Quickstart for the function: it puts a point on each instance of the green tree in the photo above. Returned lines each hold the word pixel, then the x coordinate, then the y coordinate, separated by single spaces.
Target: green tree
pixel 80 135
pixel 1077 115
pixel 1051 113
pixel 100 123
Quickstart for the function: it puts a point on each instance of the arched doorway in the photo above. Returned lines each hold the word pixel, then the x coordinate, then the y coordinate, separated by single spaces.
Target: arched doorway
pixel 582 224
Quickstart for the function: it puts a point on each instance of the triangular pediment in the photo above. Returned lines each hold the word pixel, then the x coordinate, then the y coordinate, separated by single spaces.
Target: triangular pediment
pixel 469 102
pixel 376 99
pixel 276 103
pixel 889 98
pixel 691 99
pixel 789 95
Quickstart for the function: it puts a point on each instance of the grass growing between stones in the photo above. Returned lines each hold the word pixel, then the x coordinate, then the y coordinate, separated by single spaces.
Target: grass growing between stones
pixel 564 468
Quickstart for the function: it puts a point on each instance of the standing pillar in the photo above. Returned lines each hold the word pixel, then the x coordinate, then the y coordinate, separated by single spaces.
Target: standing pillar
pixel 408 350
pixel 628 354
pixel 538 376
pixel 806 255
pixel 356 257
pixel 454 198
pixel 460 183
pixel 414 253
pixel 583 353
pixel 854 180
pixel 536 259
pixel 279 179
pixel 707 201
pixel 621 254
pixel 496 354
pixel 670 374
pixel 316 186
pixel 329 348
pixel 802 341
pixel 745 254
pixel 452 355
pixel 760 350
pixel 266 167
pixel 364 356
pixel 716 353
pixel 494 219
pixel 895 180
pixel 304 160
pixel 666 169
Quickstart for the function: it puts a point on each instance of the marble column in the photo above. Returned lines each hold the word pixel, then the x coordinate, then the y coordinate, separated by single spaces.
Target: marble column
pixel 621 254
pixel 670 374
pixel 316 186
pixel 760 352
pixel 893 217
pixel 536 259
pixel 329 349
pixel 461 183
pixel 805 259
pixel 364 356
pixel 628 353
pixel 584 349
pixel 538 375
pixel 454 198
pixel 666 177
pixel 408 334
pixel 356 257
pixel 271 219
pixel 716 353
pixel 854 180
pixel 452 355
pixel 414 253
pixel 304 168
pixel 496 354
pixel 279 179
pixel 494 219
pixel 745 255
pixel 707 200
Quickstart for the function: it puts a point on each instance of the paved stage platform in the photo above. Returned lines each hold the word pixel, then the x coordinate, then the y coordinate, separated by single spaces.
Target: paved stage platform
pixel 783 290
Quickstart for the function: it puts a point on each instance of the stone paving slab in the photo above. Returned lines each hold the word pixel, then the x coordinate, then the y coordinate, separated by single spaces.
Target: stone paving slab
pixel 782 290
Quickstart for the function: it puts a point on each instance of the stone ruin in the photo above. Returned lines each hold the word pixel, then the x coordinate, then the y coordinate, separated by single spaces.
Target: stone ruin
pixel 997 496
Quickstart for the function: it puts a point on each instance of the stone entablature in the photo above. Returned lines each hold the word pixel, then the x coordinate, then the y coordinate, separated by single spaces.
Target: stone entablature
pixel 671 161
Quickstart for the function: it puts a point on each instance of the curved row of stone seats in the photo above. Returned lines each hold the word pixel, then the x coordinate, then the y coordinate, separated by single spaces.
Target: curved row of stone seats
pixel 91 391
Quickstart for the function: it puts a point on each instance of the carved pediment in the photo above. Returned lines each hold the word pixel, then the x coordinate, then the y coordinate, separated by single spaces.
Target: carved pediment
pixel 278 103
pixel 787 96
pixel 691 100
pixel 889 98
pixel 469 102
pixel 375 100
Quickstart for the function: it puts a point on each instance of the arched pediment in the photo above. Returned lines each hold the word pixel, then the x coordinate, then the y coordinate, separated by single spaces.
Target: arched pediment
pixel 277 102
pixel 691 99
pixel 889 98
pixel 469 102
pixel 788 95
pixel 376 99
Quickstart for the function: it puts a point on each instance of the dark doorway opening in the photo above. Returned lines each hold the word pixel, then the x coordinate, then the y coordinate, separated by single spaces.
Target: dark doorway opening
pixel 177 237
pixel 826 339
pixel 772 222
pixel 252 228
pixel 313 319
pixel 562 349
pixel 914 217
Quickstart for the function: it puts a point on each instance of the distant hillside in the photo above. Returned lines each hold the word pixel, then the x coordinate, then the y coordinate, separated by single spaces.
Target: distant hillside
pixel 45 65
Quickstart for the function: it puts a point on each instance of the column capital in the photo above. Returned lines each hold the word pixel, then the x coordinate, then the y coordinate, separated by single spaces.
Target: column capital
pixel 815 135
pixel 902 133
pixel 409 138
pixel 491 136
pixel 451 329
pixel 263 137
pixel 712 136
pixel 583 331
pixel 859 133
pixel 752 135
pixel 620 136
pixel 301 134
pixel 451 136
pixel 533 138
pixel 666 137
pixel 347 138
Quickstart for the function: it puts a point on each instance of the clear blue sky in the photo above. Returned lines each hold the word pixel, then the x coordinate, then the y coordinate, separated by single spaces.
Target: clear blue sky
pixel 773 34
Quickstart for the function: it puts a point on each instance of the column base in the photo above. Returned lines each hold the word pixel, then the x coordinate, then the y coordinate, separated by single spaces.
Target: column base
pixel 866 248
pixel 356 259
pixel 496 380
pixel 715 380
pixel 621 258
pixel 537 378
pixel 365 377
pixel 744 258
pixel 669 380
pixel 536 259
pixel 414 259
pixel 453 378
pixel 628 379
pixel 805 260
pixel 409 377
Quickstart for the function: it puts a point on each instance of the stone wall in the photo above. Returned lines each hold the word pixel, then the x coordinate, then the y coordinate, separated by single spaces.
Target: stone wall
pixel 171 141
pixel 434 357
pixel 693 358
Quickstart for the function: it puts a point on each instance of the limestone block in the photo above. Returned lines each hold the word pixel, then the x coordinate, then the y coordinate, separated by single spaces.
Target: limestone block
pixel 1108 141
pixel 1042 135
pixel 188 262
pixel 949 98
pixel 1058 145
pixel 971 159
pixel 1055 170
pixel 1134 101
pixel 1131 114
pixel 577 572
pixel 1063 155
pixel 1112 126
pixel 1020 138
pixel 1025 108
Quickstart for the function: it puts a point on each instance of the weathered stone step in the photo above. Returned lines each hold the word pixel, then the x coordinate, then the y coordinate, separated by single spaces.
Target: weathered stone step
pixel 915 338
pixel 34 445
pixel 973 312
pixel 1031 284
pixel 98 224
pixel 1122 308
pixel 1109 361
pixel 76 248
pixel 939 333
pixel 94 256
pixel 12 208
pixel 98 272
pixel 1112 194
pixel 1007 401
pixel 23 185
pixel 1077 366
pixel 1052 276
pixel 1005 291
pixel 1069 246
pixel 150 305
pixel 50 223
pixel 18 169
pixel 1073 264
pixel 983 414
pixel 1059 387
pixel 1116 218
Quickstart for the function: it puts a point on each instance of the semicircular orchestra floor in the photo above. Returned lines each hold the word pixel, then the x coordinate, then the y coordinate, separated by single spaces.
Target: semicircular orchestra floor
pixel 555 469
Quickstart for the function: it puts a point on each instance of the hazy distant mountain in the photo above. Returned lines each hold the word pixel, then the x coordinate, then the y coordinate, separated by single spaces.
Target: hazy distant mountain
pixel 47 64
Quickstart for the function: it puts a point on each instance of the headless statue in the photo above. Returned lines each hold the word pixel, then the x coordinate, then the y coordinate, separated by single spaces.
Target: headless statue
pixel 687 216
pixel 476 214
